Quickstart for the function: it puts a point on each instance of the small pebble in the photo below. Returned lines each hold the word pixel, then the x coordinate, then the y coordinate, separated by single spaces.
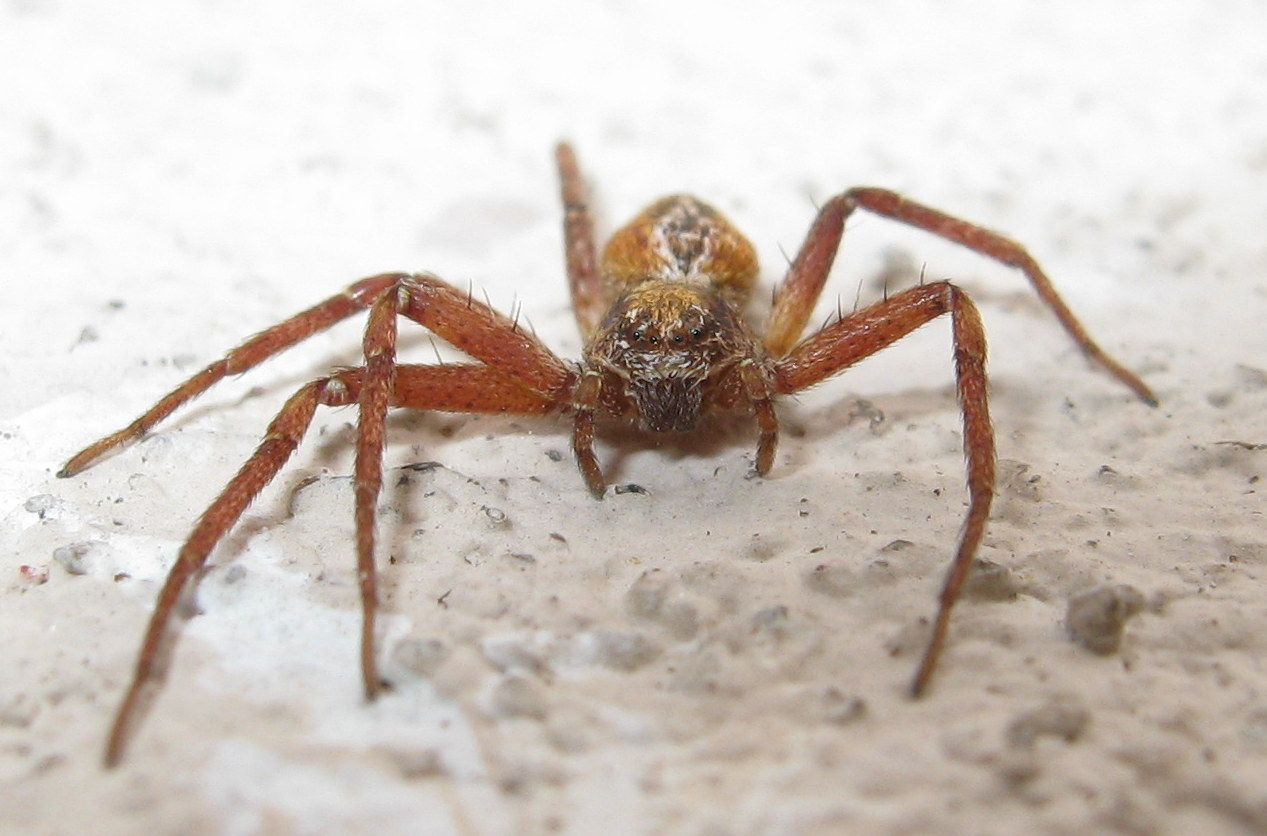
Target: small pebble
pixel 1097 618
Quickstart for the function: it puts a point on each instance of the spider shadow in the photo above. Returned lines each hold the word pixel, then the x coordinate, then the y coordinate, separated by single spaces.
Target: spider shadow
pixel 716 434
pixel 416 441
pixel 906 411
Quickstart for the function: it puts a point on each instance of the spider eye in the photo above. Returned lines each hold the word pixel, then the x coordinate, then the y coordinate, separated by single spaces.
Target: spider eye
pixel 697 332
pixel 678 339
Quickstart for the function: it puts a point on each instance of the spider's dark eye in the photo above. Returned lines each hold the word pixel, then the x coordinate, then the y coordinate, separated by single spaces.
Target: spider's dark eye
pixel 678 339
pixel 637 335
pixel 697 332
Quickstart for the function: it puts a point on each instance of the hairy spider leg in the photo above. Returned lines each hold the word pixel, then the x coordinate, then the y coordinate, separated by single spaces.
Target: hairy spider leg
pixel 251 353
pixel 379 351
pixel 527 377
pixel 796 295
pixel 863 333
pixel 589 303
pixel 521 377
pixel 283 436
pixel 795 298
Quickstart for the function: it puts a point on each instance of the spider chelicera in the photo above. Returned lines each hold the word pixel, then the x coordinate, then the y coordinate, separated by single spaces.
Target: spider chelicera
pixel 665 343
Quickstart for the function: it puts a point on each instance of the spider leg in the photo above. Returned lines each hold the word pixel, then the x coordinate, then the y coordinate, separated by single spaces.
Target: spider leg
pixel 376 390
pixel 589 303
pixel 520 376
pixel 796 296
pixel 470 325
pixel 760 395
pixel 458 387
pixel 863 333
pixel 585 401
pixel 520 369
pixel 246 356
pixel 485 334
pixel 283 436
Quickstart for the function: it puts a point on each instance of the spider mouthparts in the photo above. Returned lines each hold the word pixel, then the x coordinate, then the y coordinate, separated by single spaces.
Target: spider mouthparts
pixel 668 404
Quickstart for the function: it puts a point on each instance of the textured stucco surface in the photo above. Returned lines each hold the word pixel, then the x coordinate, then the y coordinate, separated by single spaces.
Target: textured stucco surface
pixel 716 654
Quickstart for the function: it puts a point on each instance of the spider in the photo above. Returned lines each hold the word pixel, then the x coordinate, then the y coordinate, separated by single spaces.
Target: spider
pixel 664 344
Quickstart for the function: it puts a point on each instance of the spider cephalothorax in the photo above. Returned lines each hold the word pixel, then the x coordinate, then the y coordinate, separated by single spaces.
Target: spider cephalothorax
pixel 665 349
pixel 664 344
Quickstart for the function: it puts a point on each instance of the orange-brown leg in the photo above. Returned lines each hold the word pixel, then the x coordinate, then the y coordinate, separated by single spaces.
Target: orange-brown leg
pixel 251 353
pixel 450 388
pixel 468 324
pixel 589 303
pixel 485 334
pixel 796 296
pixel 283 436
pixel 585 403
pixel 522 377
pixel 467 387
pixel 376 391
pixel 863 333
pixel 760 396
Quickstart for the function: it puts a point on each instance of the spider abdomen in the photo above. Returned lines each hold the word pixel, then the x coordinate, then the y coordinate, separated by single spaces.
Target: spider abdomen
pixel 680 239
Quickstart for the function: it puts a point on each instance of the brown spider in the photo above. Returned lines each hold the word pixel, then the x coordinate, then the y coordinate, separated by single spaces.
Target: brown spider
pixel 664 344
